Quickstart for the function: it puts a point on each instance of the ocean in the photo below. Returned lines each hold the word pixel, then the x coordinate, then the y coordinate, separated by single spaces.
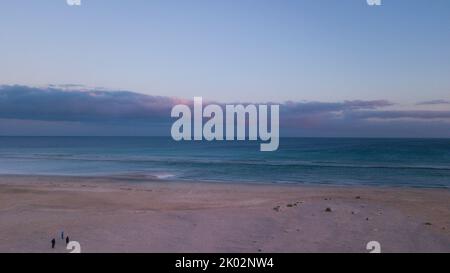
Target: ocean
pixel 311 161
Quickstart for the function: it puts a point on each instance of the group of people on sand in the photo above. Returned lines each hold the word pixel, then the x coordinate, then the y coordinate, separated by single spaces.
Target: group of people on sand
pixel 62 238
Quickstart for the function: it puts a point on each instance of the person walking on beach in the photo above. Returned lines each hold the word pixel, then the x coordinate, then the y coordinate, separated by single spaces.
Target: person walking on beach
pixel 67 240
pixel 53 243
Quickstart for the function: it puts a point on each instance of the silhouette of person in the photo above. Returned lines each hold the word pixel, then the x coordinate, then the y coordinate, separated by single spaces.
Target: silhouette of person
pixel 53 243
pixel 62 235
pixel 67 240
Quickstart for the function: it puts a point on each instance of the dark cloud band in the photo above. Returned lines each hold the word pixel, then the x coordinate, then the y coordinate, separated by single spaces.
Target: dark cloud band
pixel 76 109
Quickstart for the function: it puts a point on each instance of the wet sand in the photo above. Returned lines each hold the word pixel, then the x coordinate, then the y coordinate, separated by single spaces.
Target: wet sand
pixel 120 214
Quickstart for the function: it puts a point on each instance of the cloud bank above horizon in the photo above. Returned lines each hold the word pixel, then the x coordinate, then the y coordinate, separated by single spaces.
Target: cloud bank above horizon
pixel 78 110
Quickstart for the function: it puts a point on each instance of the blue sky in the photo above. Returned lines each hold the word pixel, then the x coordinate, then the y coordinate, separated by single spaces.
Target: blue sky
pixel 236 51
pixel 250 50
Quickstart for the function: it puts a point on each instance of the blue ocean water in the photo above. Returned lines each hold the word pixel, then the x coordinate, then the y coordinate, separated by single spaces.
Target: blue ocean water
pixel 340 161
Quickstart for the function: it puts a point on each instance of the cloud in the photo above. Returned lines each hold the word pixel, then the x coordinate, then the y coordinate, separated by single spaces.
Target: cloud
pixel 56 104
pixel 434 102
pixel 79 110
pixel 420 114
pixel 78 103
pixel 327 107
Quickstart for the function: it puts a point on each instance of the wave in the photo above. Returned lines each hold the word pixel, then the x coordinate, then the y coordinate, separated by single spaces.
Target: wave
pixel 175 160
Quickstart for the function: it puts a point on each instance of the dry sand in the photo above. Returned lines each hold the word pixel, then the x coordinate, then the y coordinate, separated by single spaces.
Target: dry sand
pixel 127 215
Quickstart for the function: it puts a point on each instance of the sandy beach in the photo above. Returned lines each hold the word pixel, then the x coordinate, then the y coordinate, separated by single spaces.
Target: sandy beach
pixel 120 214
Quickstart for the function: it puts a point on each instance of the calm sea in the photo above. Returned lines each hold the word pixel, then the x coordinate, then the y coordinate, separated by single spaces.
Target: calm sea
pixel 339 161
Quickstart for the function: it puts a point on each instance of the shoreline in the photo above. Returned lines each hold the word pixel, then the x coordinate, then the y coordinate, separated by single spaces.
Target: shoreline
pixel 137 178
pixel 108 214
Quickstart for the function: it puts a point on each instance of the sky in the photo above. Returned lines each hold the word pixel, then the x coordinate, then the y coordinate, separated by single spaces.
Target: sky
pixel 338 68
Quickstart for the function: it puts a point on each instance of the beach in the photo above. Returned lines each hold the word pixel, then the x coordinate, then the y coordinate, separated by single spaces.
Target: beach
pixel 129 214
